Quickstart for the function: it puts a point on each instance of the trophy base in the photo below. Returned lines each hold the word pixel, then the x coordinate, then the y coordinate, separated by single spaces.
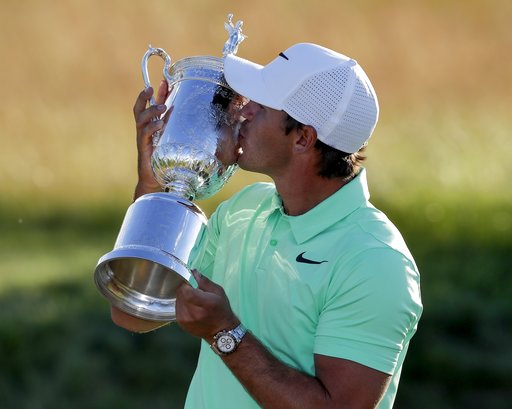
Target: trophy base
pixel 150 259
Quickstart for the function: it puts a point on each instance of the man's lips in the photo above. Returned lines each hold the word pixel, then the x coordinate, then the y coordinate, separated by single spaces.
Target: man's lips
pixel 240 135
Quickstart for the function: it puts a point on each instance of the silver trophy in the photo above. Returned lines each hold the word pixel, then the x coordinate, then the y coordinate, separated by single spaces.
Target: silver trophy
pixel 195 154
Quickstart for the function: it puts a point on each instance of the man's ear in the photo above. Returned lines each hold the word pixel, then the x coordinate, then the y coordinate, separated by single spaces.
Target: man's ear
pixel 305 138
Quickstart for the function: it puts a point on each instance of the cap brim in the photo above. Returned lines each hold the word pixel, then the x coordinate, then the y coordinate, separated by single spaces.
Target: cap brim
pixel 246 78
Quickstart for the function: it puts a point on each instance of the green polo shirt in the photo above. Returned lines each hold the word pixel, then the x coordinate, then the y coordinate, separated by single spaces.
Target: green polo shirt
pixel 337 281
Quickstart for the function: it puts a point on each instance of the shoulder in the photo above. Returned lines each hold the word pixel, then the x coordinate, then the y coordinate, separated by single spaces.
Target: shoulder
pixel 251 196
pixel 371 255
pixel 252 199
pixel 260 189
pixel 373 230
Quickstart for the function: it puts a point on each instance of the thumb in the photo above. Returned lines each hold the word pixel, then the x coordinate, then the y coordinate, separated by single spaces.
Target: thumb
pixel 205 284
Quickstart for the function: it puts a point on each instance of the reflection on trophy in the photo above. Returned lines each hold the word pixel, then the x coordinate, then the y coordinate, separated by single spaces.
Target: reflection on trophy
pixel 195 154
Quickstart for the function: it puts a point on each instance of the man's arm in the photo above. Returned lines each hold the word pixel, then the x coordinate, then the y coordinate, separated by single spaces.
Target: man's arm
pixel 338 383
pixel 146 127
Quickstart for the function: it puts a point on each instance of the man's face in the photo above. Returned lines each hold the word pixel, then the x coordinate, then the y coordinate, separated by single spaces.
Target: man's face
pixel 266 148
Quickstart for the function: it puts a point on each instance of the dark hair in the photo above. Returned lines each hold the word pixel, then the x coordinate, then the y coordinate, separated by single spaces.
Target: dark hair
pixel 333 163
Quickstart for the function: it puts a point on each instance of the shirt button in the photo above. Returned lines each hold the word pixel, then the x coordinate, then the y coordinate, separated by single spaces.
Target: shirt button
pixel 273 242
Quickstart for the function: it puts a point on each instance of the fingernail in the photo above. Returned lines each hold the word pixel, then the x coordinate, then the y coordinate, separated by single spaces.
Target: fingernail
pixel 161 107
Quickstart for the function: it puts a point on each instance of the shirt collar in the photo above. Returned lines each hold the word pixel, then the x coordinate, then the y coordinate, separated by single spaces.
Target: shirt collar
pixel 275 204
pixel 336 207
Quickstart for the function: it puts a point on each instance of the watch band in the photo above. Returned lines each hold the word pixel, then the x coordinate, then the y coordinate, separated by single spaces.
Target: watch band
pixel 239 332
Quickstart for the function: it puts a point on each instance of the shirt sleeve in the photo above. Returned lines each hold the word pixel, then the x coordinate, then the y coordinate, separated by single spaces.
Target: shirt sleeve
pixel 371 310
pixel 203 254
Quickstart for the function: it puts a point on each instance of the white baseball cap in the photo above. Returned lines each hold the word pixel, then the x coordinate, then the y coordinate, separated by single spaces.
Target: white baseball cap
pixel 317 87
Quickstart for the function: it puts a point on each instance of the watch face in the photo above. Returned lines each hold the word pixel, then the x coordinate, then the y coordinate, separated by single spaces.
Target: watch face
pixel 226 343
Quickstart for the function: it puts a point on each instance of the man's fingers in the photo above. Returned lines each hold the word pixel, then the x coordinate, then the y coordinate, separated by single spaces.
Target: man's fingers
pixel 205 310
pixel 152 127
pixel 205 284
pixel 206 293
pixel 162 92
pixel 196 301
pixel 142 101
pixel 147 116
pixel 167 114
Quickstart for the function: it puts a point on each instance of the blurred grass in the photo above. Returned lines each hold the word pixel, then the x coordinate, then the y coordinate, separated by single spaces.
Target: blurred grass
pixel 438 165
pixel 60 350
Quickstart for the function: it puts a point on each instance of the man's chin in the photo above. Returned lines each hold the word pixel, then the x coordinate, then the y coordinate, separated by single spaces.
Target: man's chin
pixel 241 162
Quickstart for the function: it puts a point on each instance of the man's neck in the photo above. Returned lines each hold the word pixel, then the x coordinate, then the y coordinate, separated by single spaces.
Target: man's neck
pixel 304 193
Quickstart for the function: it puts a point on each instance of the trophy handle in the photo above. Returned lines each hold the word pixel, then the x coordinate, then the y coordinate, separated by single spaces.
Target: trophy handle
pixel 145 76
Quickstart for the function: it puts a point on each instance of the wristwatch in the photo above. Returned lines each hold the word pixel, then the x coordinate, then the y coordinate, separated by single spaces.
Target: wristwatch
pixel 226 342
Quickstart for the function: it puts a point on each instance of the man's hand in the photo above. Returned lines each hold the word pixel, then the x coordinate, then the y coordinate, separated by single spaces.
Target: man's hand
pixel 146 126
pixel 205 310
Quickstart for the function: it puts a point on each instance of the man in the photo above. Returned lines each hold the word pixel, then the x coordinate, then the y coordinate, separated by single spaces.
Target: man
pixel 307 294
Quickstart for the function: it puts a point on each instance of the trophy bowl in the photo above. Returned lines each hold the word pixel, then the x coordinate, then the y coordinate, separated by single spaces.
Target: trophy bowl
pixel 194 155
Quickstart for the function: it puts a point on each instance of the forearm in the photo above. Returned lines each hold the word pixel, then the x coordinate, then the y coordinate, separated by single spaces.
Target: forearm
pixel 146 182
pixel 272 383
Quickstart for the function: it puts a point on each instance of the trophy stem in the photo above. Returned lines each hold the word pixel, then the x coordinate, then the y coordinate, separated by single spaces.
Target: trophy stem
pixel 181 189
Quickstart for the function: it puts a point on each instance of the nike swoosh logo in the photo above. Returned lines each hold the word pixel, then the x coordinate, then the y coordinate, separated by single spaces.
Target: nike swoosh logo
pixel 301 259
pixel 284 56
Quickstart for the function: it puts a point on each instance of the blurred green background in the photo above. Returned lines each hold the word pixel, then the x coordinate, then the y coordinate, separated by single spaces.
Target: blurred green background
pixel 438 165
